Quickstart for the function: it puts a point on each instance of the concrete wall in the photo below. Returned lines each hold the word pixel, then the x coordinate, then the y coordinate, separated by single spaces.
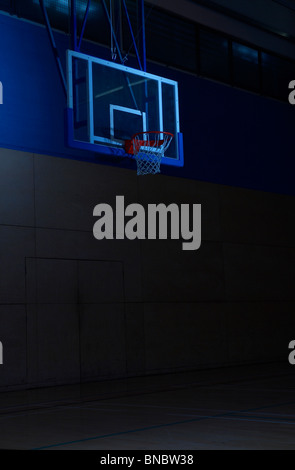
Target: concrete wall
pixel 74 309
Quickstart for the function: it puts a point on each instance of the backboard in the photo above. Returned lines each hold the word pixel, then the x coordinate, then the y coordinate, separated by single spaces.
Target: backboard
pixel 108 103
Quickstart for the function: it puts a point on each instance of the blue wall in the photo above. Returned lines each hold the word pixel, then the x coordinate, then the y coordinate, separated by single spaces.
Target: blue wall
pixel 231 137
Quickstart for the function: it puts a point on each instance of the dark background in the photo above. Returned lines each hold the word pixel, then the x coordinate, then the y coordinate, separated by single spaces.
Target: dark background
pixel 73 309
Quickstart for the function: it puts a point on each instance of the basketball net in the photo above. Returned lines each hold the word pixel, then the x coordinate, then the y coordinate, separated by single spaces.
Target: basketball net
pixel 149 149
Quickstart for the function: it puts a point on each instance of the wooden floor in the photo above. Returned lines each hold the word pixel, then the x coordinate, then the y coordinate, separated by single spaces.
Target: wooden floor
pixel 233 408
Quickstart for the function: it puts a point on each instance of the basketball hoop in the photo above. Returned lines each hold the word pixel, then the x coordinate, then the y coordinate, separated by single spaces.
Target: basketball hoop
pixel 148 149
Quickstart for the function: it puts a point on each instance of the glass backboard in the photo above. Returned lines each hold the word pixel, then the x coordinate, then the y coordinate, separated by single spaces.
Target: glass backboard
pixel 108 103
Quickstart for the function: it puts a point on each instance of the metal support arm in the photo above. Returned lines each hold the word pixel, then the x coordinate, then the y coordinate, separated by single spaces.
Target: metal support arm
pixel 53 46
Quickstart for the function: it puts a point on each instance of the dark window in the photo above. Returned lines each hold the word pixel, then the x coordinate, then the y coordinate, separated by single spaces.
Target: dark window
pixel 127 38
pixel 214 55
pixel 276 75
pixel 6 5
pixel 245 67
pixel 97 28
pixel 171 40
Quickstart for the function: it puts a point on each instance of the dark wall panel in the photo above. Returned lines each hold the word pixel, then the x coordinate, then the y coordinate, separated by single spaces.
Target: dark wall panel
pixel 76 309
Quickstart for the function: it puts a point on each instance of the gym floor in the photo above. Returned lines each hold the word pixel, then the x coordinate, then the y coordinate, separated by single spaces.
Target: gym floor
pixel 249 407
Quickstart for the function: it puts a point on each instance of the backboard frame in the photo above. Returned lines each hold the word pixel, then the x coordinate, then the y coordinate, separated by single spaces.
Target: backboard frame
pixel 114 147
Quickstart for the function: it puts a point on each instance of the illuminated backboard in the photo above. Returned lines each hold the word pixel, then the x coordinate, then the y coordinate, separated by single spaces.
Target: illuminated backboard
pixel 109 102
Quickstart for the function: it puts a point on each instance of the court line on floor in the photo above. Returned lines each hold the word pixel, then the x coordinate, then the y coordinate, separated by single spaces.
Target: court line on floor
pixel 107 410
pixel 227 416
pixel 236 415
pixel 108 396
pixel 84 405
pixel 214 410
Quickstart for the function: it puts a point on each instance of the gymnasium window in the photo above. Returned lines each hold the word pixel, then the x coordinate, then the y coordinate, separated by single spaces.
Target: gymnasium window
pixel 5 5
pixel 245 66
pixel 276 75
pixel 171 40
pixel 58 14
pixel 175 42
pixel 214 55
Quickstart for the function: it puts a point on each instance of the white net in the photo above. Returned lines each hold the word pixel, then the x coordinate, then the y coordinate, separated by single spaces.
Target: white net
pixel 149 149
